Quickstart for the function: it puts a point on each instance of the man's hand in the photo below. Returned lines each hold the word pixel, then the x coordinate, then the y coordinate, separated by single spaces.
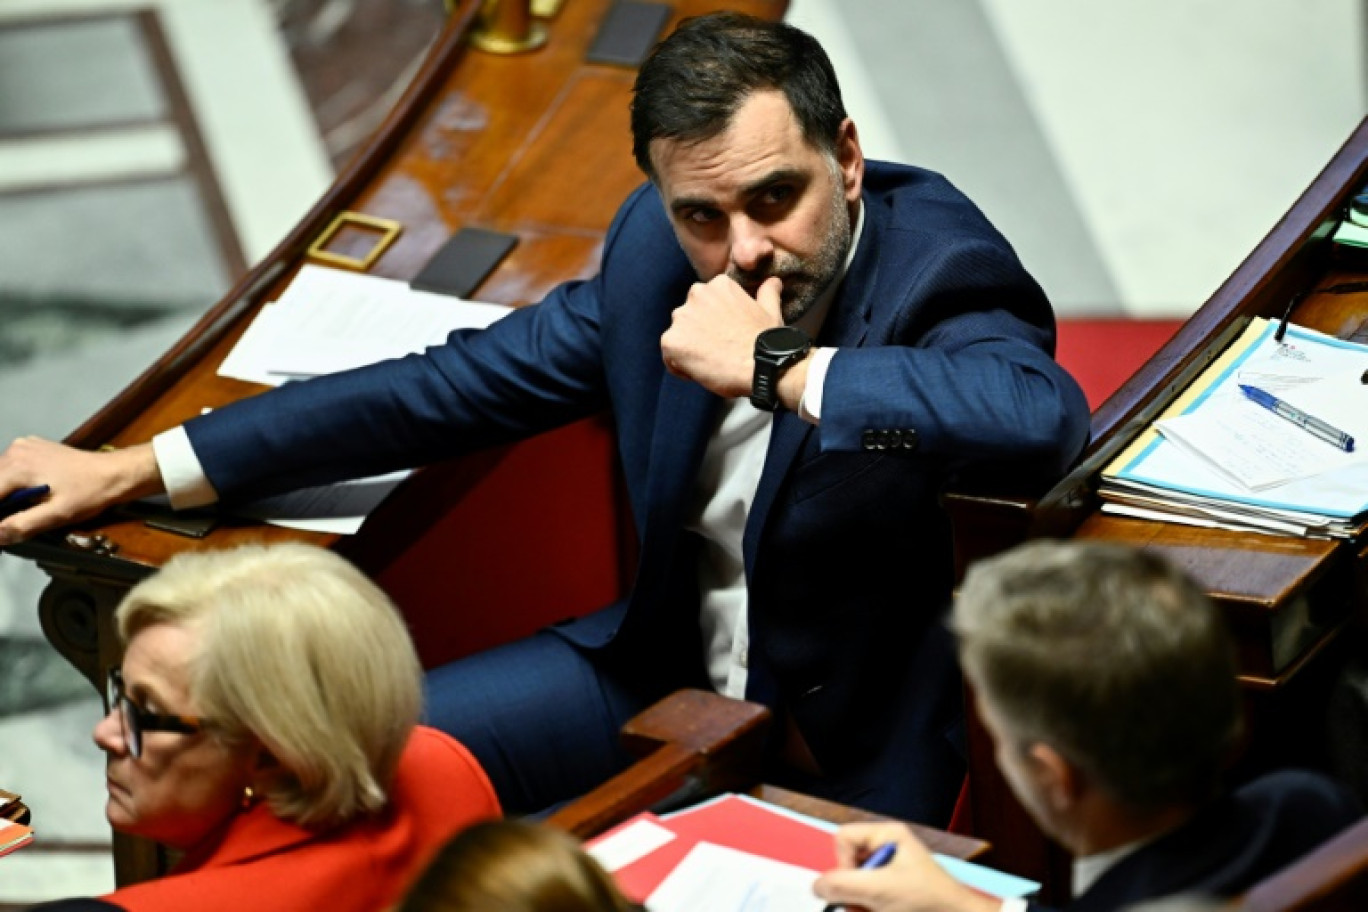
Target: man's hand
pixel 711 339
pixel 911 882
pixel 82 483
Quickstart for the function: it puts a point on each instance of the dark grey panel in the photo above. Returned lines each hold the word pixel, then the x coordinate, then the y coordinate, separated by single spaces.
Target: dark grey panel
pixel 76 73
pixel 125 248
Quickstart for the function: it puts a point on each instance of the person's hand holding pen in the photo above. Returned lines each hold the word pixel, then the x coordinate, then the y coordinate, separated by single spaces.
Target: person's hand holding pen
pixel 56 485
pixel 911 881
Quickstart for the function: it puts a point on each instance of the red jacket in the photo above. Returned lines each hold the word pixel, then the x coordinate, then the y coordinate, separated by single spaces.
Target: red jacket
pixel 264 864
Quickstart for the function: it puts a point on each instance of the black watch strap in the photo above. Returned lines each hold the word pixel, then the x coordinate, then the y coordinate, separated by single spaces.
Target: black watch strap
pixel 775 350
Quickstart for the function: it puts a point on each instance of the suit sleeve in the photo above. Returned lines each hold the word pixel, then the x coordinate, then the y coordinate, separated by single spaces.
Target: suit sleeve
pixel 964 363
pixel 537 368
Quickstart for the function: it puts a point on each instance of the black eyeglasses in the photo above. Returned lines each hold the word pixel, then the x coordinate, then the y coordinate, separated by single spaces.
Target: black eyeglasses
pixel 136 720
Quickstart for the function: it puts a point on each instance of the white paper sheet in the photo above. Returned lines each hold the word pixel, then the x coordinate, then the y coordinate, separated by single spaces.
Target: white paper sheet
pixel 629 844
pixel 339 509
pixel 719 879
pixel 1250 445
pixel 329 320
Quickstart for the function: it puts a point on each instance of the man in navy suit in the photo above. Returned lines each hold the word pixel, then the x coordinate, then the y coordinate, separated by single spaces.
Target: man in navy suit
pixel 799 350
pixel 1106 680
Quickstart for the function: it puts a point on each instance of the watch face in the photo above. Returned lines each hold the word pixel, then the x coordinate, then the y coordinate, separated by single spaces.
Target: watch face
pixel 783 340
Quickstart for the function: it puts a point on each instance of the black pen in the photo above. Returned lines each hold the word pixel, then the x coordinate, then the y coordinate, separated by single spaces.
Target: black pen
pixel 22 499
pixel 877 859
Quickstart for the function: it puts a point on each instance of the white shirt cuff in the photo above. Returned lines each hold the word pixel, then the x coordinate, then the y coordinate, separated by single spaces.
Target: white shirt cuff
pixel 810 406
pixel 1016 904
pixel 181 472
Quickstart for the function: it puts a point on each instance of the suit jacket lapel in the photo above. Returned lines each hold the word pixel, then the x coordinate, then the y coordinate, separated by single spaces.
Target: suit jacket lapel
pixel 846 325
pixel 685 414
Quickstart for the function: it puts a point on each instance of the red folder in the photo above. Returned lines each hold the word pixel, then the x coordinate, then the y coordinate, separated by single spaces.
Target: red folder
pixel 730 821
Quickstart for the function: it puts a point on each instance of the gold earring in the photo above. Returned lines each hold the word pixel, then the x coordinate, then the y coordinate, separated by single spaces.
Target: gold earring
pixel 248 796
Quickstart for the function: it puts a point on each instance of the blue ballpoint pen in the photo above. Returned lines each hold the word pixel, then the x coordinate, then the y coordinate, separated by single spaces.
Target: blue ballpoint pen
pixel 21 499
pixel 1309 423
pixel 877 859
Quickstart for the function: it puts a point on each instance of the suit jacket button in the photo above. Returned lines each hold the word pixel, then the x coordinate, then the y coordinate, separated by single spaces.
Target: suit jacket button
pixel 883 439
pixel 895 438
pixel 909 439
pixel 869 439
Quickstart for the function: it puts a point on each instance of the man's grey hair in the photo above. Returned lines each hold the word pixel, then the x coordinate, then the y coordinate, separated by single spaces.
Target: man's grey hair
pixel 1110 655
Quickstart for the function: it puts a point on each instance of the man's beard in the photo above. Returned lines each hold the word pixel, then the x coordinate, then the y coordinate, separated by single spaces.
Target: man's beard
pixel 806 279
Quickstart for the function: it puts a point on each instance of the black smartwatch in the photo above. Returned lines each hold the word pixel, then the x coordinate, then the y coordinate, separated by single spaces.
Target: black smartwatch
pixel 775 350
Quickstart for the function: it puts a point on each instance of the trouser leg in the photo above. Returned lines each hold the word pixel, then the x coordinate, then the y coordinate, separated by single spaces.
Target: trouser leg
pixel 541 716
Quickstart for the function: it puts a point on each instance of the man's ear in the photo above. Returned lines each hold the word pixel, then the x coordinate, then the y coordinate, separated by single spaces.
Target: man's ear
pixel 850 157
pixel 1060 783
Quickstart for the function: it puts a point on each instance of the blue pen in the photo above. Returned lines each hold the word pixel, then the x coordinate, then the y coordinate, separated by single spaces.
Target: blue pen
pixel 877 859
pixel 21 499
pixel 1309 423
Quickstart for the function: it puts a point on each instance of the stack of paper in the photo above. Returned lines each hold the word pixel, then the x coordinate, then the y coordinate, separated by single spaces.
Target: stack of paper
pixel 740 854
pixel 1218 460
pixel 330 320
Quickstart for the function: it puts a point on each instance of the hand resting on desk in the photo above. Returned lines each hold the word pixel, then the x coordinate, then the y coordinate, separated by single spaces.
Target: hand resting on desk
pixel 82 483
pixel 911 882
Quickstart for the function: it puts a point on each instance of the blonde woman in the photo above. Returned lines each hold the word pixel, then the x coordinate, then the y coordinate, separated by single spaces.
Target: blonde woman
pixel 263 722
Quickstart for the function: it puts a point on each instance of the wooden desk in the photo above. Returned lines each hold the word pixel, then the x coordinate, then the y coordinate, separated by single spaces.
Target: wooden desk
pixel 535 144
pixel 695 744
pixel 1289 600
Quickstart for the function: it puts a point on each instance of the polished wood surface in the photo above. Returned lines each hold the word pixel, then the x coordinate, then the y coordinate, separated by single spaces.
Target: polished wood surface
pixel 695 744
pixel 1333 878
pixel 1289 600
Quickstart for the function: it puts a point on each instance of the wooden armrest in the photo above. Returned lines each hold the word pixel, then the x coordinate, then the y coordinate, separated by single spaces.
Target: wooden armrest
pixel 1331 878
pixel 692 742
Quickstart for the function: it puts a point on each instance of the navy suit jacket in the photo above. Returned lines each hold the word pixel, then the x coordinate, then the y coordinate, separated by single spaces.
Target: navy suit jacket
pixel 942 336
pixel 1230 845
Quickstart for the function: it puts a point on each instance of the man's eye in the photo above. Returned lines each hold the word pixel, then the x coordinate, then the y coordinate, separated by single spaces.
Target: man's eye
pixel 778 194
pixel 702 216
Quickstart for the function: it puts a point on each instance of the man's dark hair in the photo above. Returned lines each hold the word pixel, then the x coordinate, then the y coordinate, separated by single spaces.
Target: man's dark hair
pixel 698 77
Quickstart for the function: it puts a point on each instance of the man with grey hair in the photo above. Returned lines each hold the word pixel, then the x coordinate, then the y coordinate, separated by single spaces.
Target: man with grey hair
pixel 1106 679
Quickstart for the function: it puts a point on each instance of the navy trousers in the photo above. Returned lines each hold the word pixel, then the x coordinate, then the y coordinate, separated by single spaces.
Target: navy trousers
pixel 540 716
pixel 543 718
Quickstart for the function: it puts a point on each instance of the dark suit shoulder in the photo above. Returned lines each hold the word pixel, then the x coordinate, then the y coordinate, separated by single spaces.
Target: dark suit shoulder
pixel 924 201
pixel 1297 810
pixel 1232 843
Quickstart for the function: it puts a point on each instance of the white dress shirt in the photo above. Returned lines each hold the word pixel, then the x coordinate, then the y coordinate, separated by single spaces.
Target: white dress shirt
pixel 726 486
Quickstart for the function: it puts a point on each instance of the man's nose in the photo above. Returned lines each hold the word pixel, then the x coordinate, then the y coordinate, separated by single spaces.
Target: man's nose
pixel 751 247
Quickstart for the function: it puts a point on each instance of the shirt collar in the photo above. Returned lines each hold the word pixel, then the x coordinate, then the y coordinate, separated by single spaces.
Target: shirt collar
pixel 1088 869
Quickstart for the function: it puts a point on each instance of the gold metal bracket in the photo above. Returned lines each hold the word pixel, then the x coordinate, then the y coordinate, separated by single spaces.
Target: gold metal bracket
pixel 388 230
pixel 506 27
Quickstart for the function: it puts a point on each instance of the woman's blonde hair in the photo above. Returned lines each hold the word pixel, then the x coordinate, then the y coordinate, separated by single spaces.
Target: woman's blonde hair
pixel 302 652
pixel 513 866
